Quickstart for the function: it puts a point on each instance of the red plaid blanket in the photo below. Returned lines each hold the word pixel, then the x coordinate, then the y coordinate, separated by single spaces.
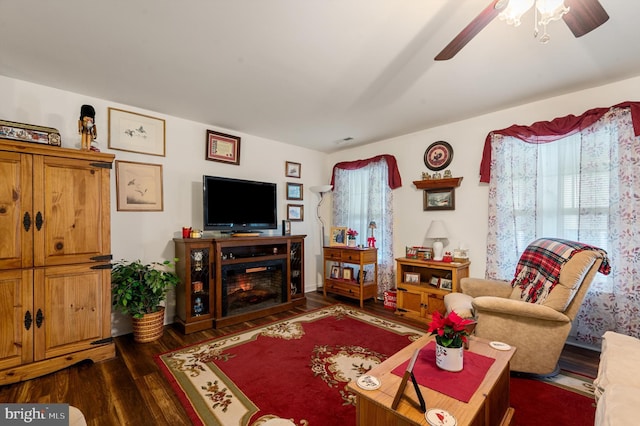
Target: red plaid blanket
pixel 539 266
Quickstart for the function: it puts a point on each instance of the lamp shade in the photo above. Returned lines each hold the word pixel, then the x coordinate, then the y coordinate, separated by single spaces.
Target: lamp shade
pixel 437 230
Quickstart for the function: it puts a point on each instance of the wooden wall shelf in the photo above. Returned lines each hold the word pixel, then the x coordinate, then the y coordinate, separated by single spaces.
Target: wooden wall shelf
pixel 438 183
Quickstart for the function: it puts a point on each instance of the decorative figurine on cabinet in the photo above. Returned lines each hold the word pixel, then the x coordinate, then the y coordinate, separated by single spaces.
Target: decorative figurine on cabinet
pixel 87 127
pixel 371 241
pixel 198 306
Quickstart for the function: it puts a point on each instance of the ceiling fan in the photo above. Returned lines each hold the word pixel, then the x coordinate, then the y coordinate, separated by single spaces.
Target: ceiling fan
pixel 583 17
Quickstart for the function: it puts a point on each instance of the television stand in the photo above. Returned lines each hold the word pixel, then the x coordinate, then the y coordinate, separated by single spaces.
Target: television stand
pixel 205 297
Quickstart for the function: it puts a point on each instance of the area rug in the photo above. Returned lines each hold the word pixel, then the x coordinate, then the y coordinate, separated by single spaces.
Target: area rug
pixel 295 369
pixel 566 399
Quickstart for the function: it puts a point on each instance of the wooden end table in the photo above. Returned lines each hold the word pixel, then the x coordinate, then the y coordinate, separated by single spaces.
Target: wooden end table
pixel 488 406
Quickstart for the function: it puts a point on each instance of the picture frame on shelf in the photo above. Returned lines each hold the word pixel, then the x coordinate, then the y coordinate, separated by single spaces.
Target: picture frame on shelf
pixel 439 199
pixel 295 212
pixel 411 277
pixel 134 132
pixel 294 191
pixel 223 148
pixel 338 236
pixel 411 252
pixel 292 169
pixel 446 284
pixel 347 273
pixel 435 281
pixel 286 227
pixel 364 276
pixel 335 272
pixel 138 187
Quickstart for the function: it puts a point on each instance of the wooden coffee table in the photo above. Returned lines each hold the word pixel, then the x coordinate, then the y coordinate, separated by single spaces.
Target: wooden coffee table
pixel 488 406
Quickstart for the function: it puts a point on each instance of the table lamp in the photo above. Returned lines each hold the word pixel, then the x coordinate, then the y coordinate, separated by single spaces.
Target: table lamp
pixel 437 232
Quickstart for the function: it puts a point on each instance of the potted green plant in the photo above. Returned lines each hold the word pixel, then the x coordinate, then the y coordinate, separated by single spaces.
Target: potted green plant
pixel 139 289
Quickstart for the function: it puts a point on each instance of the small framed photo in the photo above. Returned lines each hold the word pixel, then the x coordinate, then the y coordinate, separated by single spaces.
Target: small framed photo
pixel 446 284
pixel 138 187
pixel 292 169
pixel 286 227
pixel 362 274
pixel 133 132
pixel 435 281
pixel 335 272
pixel 439 199
pixel 295 212
pixel 338 236
pixel 411 277
pixel 223 148
pixel 294 191
pixel 347 273
pixel 411 252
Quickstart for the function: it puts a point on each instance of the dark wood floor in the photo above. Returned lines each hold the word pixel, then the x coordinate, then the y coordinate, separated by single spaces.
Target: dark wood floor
pixel 130 389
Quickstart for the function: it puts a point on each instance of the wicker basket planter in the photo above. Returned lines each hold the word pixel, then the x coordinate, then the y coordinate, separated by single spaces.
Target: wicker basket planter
pixel 148 328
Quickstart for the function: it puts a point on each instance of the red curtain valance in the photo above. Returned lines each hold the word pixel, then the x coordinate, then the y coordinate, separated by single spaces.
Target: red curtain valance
pixel 394 174
pixel 549 131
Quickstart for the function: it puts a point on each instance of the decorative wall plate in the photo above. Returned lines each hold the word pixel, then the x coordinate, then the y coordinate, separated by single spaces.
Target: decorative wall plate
pixel 438 155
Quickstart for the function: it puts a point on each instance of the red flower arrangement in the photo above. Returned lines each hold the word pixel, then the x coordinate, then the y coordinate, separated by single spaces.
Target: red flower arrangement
pixel 352 234
pixel 451 330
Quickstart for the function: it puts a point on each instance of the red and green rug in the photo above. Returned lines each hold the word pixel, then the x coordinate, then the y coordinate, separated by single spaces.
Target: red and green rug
pixel 297 369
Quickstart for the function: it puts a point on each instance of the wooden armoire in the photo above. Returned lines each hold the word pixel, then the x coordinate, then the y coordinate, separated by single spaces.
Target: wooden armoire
pixel 55 252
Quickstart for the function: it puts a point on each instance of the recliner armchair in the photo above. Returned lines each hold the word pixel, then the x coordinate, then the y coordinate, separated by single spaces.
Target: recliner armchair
pixel 538 330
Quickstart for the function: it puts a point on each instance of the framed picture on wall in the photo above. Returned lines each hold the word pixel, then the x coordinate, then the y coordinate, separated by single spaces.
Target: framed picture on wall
pixel 293 169
pixel 223 148
pixel 138 187
pixel 295 212
pixel 133 132
pixel 439 199
pixel 294 191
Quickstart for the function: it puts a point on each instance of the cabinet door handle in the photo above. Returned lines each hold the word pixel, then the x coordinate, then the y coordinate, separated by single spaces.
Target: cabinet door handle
pixel 39 221
pixel 26 221
pixel 39 318
pixel 28 320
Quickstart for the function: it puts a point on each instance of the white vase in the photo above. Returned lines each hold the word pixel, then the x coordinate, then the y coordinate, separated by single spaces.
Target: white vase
pixel 449 359
pixel 351 243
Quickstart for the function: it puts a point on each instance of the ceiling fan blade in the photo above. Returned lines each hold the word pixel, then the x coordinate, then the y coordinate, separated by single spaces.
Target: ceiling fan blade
pixel 471 30
pixel 584 16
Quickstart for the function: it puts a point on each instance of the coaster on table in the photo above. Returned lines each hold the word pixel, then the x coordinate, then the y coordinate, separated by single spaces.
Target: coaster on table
pixel 440 417
pixel 368 382
pixel 500 346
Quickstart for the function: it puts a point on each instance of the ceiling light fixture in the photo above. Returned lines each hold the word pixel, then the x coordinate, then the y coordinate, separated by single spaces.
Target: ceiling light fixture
pixel 546 11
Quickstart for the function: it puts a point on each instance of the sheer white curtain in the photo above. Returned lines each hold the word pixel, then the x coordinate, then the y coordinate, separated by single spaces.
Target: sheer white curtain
pixel 363 195
pixel 584 187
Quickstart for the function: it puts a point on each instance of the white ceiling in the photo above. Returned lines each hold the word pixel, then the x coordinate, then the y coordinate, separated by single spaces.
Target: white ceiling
pixel 307 72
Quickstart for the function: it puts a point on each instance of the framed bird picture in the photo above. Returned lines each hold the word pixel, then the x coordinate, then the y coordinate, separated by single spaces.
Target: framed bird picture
pixel 139 187
pixel 133 132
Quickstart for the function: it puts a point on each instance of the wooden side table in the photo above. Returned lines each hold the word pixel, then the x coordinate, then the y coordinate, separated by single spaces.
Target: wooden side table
pixel 422 285
pixel 339 278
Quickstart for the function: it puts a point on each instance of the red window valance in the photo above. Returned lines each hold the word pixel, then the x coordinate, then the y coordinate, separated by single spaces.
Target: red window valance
pixel 549 131
pixel 394 174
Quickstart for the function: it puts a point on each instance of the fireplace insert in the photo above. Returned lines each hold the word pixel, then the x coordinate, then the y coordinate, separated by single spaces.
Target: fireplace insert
pixel 252 286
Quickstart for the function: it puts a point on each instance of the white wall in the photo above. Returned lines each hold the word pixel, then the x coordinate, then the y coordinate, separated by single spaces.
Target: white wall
pixel 467 224
pixel 148 235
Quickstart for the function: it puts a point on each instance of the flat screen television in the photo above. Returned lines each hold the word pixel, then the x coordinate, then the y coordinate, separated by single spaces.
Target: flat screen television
pixel 236 205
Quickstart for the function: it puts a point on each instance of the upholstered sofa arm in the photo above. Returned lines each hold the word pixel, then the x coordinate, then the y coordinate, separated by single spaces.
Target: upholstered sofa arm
pixel 512 307
pixel 476 287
